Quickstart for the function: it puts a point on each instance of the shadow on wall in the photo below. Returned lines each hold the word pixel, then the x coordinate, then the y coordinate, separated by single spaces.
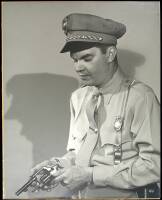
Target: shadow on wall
pixel 129 60
pixel 41 104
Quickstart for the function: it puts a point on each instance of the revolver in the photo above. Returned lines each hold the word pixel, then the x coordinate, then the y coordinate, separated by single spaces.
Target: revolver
pixel 41 180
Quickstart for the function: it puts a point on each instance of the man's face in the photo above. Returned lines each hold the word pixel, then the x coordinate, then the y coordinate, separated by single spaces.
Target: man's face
pixel 91 66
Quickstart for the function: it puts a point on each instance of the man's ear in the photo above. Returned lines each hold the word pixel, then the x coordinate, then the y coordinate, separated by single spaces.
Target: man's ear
pixel 111 53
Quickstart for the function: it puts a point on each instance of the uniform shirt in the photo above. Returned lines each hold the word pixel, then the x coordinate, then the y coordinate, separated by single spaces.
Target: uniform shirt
pixel 140 164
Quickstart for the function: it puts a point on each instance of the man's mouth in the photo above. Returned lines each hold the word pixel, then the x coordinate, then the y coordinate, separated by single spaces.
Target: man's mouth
pixel 83 76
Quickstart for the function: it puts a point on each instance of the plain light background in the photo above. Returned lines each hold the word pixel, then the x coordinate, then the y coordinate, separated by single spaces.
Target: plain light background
pixel 38 80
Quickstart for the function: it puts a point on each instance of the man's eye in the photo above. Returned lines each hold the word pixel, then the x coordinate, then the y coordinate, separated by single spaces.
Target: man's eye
pixel 87 59
pixel 75 60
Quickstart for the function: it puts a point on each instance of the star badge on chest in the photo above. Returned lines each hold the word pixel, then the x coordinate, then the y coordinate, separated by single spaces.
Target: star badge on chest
pixel 118 123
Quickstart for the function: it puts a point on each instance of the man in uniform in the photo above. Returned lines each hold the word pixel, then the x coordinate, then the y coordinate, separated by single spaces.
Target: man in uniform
pixel 114 141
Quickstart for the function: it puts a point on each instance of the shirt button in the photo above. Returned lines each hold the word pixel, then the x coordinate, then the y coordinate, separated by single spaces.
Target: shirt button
pixel 95 130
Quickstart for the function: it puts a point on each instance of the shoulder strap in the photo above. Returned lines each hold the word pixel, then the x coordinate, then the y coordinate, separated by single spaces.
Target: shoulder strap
pixel 119 124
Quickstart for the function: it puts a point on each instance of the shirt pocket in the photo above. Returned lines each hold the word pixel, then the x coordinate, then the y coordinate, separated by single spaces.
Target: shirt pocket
pixel 78 139
pixel 79 133
pixel 81 126
pixel 109 141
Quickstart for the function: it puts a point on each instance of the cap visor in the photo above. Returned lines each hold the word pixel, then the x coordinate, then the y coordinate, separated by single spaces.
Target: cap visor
pixel 66 47
pixel 74 46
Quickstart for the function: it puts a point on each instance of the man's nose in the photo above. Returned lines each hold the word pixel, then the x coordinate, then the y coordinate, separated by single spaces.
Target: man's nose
pixel 79 66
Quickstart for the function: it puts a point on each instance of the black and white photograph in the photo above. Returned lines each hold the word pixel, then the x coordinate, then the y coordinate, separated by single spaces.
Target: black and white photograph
pixel 81 99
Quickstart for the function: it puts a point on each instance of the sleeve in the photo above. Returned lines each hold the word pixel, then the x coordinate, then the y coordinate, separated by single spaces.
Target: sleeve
pixel 145 168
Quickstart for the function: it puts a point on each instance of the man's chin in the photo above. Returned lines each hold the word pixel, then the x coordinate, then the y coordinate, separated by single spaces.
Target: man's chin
pixel 86 83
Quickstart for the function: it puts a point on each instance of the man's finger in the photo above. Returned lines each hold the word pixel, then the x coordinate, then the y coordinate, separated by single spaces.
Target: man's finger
pixel 59 178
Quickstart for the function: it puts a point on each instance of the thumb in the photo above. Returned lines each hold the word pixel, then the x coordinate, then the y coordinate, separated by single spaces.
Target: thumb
pixel 39 166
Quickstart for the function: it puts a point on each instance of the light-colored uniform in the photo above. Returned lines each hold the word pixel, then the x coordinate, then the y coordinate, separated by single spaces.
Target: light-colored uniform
pixel 140 153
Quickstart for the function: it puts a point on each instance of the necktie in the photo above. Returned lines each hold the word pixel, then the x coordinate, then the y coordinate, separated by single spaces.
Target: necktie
pixel 84 154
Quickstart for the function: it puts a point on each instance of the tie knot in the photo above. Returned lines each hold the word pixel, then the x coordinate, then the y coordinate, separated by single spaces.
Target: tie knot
pixel 95 92
pixel 94 99
pixel 95 96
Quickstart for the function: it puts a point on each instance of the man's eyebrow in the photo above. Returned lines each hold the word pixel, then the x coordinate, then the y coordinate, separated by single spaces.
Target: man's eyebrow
pixel 82 57
pixel 85 56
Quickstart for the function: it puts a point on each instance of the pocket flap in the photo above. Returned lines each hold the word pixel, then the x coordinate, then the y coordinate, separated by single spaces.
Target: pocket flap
pixel 79 134
pixel 109 136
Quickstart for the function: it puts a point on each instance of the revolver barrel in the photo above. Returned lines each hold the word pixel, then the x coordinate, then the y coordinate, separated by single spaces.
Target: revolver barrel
pixel 24 188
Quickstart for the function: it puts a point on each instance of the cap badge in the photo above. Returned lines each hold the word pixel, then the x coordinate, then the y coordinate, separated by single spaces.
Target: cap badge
pixel 64 25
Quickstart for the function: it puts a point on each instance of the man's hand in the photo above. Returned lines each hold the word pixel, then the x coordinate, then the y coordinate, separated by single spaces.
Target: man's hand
pixel 62 163
pixel 74 177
